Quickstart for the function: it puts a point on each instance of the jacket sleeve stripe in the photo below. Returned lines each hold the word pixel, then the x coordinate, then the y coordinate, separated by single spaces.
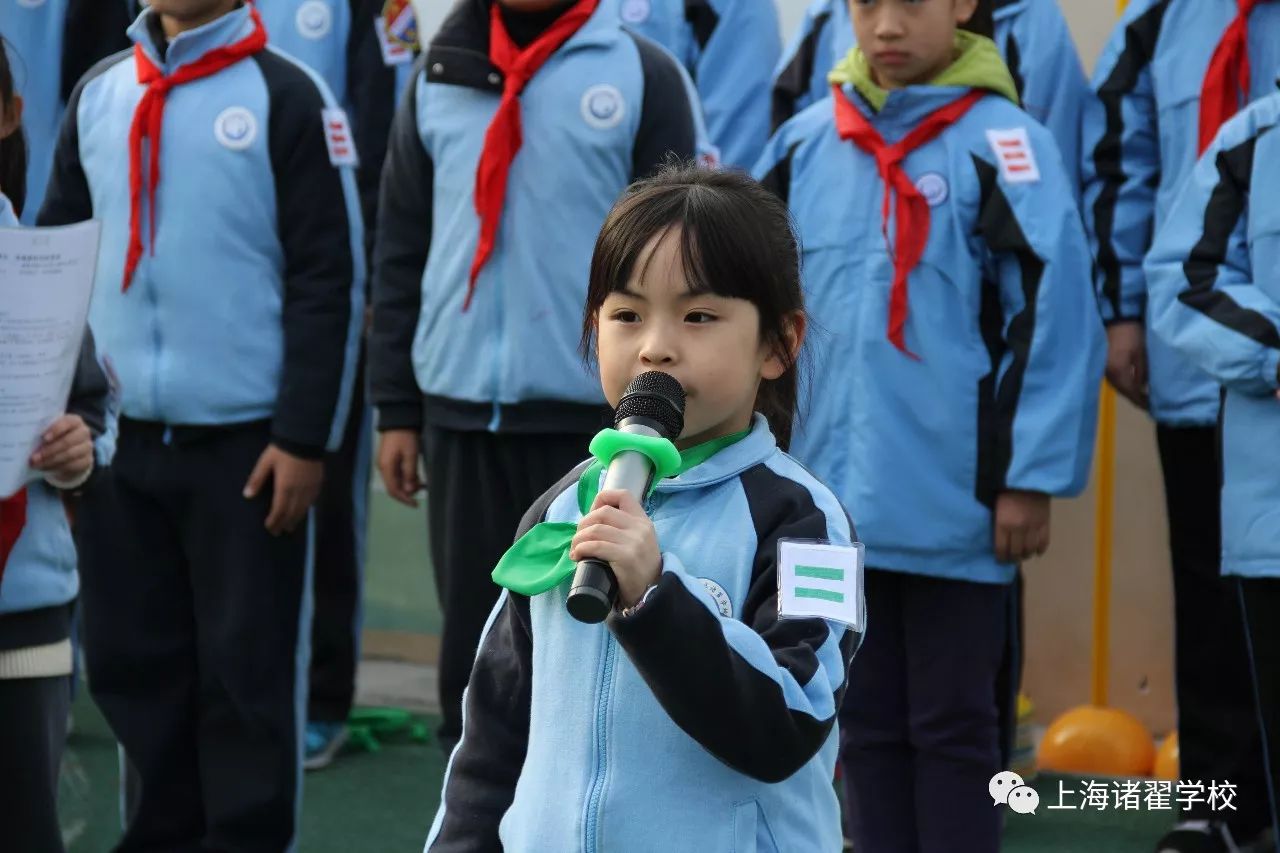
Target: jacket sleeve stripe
pixel 796 77
pixel 1108 156
pixel 703 20
pixel 778 179
pixel 1227 204
pixel 403 242
pixel 998 225
pixel 667 123
pixel 321 236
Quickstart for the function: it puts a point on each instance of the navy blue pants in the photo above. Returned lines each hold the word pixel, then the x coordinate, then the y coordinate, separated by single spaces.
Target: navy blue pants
pixel 920 728
pixel 196 626
pixel 342 518
pixel 1218 736
pixel 1259 600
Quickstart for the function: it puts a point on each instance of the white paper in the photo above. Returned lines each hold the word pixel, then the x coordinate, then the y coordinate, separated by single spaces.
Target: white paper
pixel 822 580
pixel 46 280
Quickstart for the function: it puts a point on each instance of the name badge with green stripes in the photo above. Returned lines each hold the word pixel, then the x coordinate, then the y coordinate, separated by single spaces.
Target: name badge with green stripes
pixel 822 580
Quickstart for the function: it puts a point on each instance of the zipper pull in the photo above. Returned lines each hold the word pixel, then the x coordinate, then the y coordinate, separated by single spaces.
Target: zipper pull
pixel 167 438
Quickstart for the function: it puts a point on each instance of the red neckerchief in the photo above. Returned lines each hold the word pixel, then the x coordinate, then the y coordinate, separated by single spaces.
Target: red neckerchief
pixel 502 140
pixel 148 121
pixel 13 517
pixel 1227 77
pixel 911 214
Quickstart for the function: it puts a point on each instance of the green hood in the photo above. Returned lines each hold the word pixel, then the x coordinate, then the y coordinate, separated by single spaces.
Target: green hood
pixel 978 65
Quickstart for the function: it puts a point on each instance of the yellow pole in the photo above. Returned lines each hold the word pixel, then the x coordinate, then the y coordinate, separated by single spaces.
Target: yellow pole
pixel 1102 545
pixel 1102 536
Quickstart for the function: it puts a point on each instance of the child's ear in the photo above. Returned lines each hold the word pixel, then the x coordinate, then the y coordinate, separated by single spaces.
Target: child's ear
pixel 11 119
pixel 965 10
pixel 793 331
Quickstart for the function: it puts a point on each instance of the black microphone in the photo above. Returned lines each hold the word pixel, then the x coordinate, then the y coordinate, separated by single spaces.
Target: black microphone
pixel 652 405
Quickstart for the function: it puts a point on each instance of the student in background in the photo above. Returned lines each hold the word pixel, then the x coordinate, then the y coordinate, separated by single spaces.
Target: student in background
pixel 1213 282
pixel 958 354
pixel 50 44
pixel 1172 73
pixel 349 44
pixel 1032 36
pixel 729 48
pixel 353 46
pixel 230 296
pixel 523 123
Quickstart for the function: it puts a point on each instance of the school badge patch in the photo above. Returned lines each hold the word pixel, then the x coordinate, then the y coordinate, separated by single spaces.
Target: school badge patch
pixel 314 19
pixel 401 23
pixel 235 128
pixel 933 187
pixel 337 135
pixel 635 11
pixel 723 603
pixel 1014 155
pixel 603 107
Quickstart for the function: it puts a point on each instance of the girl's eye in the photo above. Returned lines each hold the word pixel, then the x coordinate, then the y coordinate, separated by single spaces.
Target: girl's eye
pixel 625 315
pixel 699 317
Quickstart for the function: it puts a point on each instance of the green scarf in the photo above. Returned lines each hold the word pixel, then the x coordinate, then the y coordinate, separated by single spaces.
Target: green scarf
pixel 978 65
pixel 539 560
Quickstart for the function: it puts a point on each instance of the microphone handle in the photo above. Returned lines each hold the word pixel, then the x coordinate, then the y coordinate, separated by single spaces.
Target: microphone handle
pixel 595 588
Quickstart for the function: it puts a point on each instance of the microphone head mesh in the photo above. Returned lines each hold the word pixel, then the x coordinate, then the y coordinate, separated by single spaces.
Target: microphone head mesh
pixel 657 396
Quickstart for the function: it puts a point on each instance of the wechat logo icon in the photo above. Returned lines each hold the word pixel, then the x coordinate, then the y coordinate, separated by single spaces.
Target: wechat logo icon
pixel 1009 789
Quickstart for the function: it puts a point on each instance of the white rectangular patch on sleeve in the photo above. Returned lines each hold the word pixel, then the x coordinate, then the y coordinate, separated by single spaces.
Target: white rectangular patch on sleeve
pixel 393 52
pixel 1014 154
pixel 337 135
pixel 816 579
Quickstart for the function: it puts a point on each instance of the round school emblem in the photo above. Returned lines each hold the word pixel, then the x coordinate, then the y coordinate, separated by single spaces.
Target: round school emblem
pixel 314 19
pixel 721 597
pixel 934 188
pixel 603 107
pixel 235 128
pixel 635 11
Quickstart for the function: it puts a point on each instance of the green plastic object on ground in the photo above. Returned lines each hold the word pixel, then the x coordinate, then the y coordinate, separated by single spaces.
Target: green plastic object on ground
pixel 369 727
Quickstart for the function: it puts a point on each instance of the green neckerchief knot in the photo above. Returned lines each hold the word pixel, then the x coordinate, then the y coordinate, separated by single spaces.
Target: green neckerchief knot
pixel 539 560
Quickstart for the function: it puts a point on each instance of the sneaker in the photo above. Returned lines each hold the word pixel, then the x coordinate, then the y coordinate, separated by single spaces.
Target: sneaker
pixel 323 743
pixel 1198 836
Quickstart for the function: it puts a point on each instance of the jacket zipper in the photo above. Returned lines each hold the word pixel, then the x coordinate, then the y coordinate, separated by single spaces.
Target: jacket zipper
pixel 496 420
pixel 596 791
pixel 156 344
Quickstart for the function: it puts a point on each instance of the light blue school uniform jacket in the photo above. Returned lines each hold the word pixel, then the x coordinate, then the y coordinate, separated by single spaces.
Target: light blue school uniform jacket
pixel 343 42
pixel 1141 137
pixel 1000 312
pixel 729 48
pixel 703 721
pixel 1213 284
pixel 1032 36
pixel 250 303
pixel 607 108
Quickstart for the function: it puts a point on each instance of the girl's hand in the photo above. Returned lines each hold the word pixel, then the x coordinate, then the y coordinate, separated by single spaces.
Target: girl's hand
pixel 617 531
pixel 65 454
